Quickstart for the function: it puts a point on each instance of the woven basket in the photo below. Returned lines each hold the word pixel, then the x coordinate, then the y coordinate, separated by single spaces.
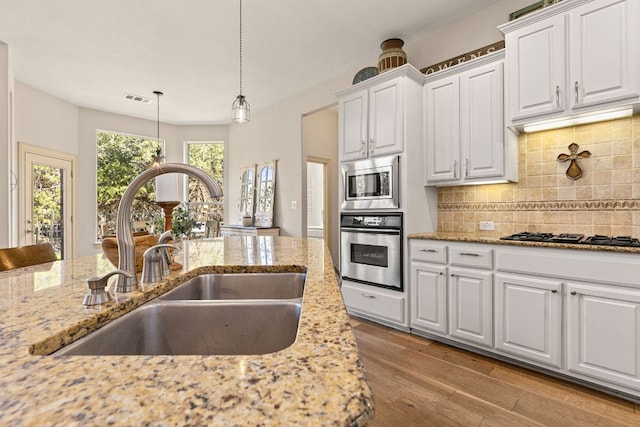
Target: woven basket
pixel 144 242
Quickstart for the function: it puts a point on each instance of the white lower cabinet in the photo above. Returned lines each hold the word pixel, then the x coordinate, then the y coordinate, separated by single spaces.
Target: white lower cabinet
pixel 375 303
pixel 471 305
pixel 603 332
pixel 571 312
pixel 528 316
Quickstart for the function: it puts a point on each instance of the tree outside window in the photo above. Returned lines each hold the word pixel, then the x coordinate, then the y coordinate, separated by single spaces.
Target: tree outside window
pixel 208 156
pixel 120 158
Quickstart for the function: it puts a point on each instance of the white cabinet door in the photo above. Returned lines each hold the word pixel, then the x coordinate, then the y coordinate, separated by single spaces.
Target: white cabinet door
pixel 482 122
pixel 386 118
pixel 603 52
pixel 471 305
pixel 429 297
pixel 442 129
pixel 535 58
pixel 353 125
pixel 528 317
pixel 603 332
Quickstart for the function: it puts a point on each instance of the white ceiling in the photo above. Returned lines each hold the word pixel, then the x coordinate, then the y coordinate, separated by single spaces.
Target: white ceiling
pixel 92 52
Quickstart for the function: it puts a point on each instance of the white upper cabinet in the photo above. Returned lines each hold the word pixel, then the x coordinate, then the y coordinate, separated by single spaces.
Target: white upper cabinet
pixel 535 69
pixel 574 57
pixel 373 116
pixel 603 46
pixel 465 137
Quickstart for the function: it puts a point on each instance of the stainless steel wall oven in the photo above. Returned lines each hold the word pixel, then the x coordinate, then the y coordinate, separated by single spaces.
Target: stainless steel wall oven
pixel 371 249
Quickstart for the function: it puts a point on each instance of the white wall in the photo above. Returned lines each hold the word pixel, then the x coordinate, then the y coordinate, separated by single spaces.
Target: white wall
pixel 6 148
pixel 45 121
pixel 320 140
pixel 462 36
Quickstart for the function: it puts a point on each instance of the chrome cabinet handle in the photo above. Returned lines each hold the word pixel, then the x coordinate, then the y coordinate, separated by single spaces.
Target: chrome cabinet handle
pixel 469 254
pixel 368 295
pixel 576 86
pixel 558 96
pixel 455 169
pixel 428 250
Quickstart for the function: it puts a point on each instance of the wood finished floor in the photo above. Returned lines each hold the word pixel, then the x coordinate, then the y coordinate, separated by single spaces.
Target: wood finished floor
pixel 418 382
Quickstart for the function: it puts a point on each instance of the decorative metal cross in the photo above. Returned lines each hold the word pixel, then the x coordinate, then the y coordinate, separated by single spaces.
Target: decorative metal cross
pixel 574 171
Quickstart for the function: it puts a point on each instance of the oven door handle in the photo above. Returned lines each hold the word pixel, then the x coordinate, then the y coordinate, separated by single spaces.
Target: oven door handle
pixel 370 231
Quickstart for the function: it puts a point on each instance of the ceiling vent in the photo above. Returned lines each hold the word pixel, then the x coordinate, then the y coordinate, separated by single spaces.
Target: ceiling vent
pixel 137 98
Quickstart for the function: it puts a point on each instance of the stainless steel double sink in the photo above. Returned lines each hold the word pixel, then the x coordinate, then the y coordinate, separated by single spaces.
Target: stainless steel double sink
pixel 211 314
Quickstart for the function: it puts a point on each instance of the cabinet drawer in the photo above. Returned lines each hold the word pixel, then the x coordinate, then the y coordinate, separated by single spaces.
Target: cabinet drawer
pixel 428 251
pixel 478 258
pixel 364 299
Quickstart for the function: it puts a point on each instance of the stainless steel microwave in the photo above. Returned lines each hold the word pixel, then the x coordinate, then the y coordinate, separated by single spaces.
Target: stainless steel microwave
pixel 371 183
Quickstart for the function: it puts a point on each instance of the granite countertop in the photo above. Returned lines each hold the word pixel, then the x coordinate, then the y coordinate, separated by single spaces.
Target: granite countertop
pixel 318 380
pixel 473 238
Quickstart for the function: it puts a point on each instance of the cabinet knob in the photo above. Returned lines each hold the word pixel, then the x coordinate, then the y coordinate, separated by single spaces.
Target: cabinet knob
pixel 554 291
pixel 452 275
pixel 574 293
pixel 441 273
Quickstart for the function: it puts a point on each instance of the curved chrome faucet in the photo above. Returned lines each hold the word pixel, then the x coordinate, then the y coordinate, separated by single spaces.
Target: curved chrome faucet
pixel 124 228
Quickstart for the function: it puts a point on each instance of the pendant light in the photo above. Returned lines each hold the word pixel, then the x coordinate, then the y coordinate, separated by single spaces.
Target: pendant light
pixel 240 107
pixel 158 159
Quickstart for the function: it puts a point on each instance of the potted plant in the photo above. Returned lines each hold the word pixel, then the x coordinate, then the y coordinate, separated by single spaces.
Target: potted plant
pixel 182 223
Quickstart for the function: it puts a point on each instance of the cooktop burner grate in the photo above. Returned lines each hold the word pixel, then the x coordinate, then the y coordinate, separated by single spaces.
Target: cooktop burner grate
pixel 527 236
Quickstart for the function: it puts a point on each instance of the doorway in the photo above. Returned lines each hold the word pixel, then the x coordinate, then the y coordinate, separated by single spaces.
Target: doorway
pixel 316 198
pixel 46 199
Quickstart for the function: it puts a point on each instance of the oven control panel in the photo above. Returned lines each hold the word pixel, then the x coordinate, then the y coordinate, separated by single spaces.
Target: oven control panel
pixel 372 221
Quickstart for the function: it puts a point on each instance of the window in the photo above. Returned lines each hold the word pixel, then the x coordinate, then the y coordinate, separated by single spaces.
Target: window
pixel 208 156
pixel 120 158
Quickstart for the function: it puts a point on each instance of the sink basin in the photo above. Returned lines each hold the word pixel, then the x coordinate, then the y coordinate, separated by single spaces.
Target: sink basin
pixel 240 286
pixel 195 328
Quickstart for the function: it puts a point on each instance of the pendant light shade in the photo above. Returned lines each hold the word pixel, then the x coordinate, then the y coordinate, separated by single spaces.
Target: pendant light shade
pixel 240 109
pixel 158 159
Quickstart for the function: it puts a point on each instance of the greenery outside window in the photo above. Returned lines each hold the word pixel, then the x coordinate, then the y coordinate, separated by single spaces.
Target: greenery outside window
pixel 208 156
pixel 120 158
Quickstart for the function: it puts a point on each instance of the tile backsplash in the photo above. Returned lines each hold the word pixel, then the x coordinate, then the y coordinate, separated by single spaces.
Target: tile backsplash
pixel 605 200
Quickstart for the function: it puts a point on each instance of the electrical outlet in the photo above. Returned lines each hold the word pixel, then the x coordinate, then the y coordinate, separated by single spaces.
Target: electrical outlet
pixel 294 205
pixel 486 225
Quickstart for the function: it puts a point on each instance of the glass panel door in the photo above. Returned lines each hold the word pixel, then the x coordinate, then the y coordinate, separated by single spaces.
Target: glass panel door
pixel 46 206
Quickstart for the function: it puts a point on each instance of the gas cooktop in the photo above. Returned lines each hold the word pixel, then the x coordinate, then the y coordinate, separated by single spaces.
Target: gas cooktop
pixel 527 236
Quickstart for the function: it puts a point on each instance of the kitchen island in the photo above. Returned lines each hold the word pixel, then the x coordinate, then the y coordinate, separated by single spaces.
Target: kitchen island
pixel 318 380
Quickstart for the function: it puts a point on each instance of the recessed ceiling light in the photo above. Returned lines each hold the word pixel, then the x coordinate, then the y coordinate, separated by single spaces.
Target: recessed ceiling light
pixel 137 98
